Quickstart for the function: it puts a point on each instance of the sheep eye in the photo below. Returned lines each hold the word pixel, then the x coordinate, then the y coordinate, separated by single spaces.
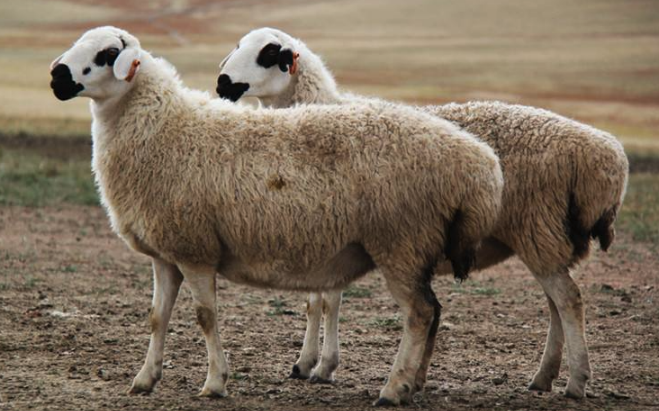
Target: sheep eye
pixel 107 56
pixel 273 52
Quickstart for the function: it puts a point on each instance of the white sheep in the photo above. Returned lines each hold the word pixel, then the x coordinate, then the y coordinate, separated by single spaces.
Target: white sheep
pixel 308 199
pixel 565 182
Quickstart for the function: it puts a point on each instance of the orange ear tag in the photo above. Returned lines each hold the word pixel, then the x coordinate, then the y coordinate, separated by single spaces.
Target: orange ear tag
pixel 293 68
pixel 133 69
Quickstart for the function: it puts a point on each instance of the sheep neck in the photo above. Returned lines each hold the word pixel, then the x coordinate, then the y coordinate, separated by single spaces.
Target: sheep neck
pixel 313 84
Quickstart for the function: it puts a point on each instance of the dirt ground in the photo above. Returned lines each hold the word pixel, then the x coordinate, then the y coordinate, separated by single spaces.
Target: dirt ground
pixel 73 331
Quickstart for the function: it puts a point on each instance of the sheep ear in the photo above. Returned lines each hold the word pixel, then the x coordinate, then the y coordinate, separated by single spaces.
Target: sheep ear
pixel 227 58
pixel 288 60
pixel 55 62
pixel 127 64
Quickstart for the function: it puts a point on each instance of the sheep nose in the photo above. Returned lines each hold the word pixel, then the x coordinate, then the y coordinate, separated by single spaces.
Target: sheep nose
pixel 60 71
pixel 230 90
pixel 223 80
pixel 62 83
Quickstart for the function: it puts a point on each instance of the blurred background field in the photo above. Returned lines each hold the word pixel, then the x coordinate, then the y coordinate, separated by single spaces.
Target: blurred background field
pixel 593 60
pixel 73 298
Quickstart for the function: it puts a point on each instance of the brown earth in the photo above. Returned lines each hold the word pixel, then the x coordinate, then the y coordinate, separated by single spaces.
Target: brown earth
pixel 73 331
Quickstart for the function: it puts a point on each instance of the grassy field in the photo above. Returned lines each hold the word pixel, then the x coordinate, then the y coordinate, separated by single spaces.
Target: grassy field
pixel 594 60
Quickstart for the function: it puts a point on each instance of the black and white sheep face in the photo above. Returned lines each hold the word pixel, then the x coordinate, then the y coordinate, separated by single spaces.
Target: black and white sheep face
pixel 262 65
pixel 100 65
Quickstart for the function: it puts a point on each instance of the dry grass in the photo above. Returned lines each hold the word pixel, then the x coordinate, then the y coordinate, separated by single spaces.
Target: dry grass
pixel 594 60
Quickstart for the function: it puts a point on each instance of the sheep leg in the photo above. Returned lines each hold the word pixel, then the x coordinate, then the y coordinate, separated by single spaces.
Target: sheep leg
pixel 202 286
pixel 421 374
pixel 551 358
pixel 418 313
pixel 166 283
pixel 329 359
pixel 309 354
pixel 565 294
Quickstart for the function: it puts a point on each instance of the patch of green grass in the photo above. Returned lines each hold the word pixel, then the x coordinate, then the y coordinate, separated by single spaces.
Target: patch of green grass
pixel 70 269
pixel 279 307
pixel 31 282
pixel 639 214
pixel 392 323
pixel 33 180
pixel 357 292
pixel 474 288
pixel 485 291
pixel 4 286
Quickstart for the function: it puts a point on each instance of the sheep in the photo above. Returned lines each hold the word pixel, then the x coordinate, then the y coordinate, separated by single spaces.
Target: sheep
pixel 565 182
pixel 308 198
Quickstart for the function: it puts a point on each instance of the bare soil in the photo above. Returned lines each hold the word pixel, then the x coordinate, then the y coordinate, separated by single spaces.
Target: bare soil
pixel 73 331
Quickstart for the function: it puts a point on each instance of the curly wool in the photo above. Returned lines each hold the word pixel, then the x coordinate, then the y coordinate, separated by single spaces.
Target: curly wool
pixel 271 195
pixel 564 180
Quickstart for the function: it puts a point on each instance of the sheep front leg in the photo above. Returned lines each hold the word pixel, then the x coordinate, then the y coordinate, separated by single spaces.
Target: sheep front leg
pixel 418 314
pixel 202 286
pixel 329 359
pixel 309 354
pixel 565 294
pixel 551 358
pixel 166 283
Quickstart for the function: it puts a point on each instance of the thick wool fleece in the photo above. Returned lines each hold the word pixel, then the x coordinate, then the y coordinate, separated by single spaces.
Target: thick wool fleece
pixel 564 181
pixel 281 198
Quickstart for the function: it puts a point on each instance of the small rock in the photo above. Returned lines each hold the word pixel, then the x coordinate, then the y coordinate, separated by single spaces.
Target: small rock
pixel 615 312
pixel 500 380
pixel 365 393
pixel 103 374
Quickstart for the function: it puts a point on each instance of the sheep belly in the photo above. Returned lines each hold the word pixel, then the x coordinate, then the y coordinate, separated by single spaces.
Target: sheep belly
pixel 337 272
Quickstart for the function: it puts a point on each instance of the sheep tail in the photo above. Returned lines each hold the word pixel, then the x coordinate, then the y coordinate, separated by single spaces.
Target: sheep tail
pixel 459 251
pixel 580 236
pixel 603 229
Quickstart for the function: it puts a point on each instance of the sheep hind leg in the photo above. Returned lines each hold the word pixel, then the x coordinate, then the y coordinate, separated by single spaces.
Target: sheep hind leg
pixel 329 359
pixel 565 294
pixel 551 358
pixel 202 285
pixel 309 353
pixel 418 314
pixel 421 374
pixel 166 284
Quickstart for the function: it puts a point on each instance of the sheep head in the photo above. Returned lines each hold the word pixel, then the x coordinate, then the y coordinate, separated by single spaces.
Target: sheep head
pixel 100 65
pixel 262 65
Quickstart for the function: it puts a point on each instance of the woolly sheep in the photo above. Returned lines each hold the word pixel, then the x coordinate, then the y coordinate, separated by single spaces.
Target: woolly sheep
pixel 308 198
pixel 565 182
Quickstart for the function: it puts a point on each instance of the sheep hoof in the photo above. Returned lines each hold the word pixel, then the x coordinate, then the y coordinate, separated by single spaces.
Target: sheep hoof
pixel 535 386
pixel 210 393
pixel 296 374
pixel 140 389
pixel 385 402
pixel 315 379
pixel 574 394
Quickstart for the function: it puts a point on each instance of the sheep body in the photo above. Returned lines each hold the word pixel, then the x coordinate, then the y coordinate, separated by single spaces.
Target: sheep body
pixel 304 163
pixel 308 198
pixel 564 184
